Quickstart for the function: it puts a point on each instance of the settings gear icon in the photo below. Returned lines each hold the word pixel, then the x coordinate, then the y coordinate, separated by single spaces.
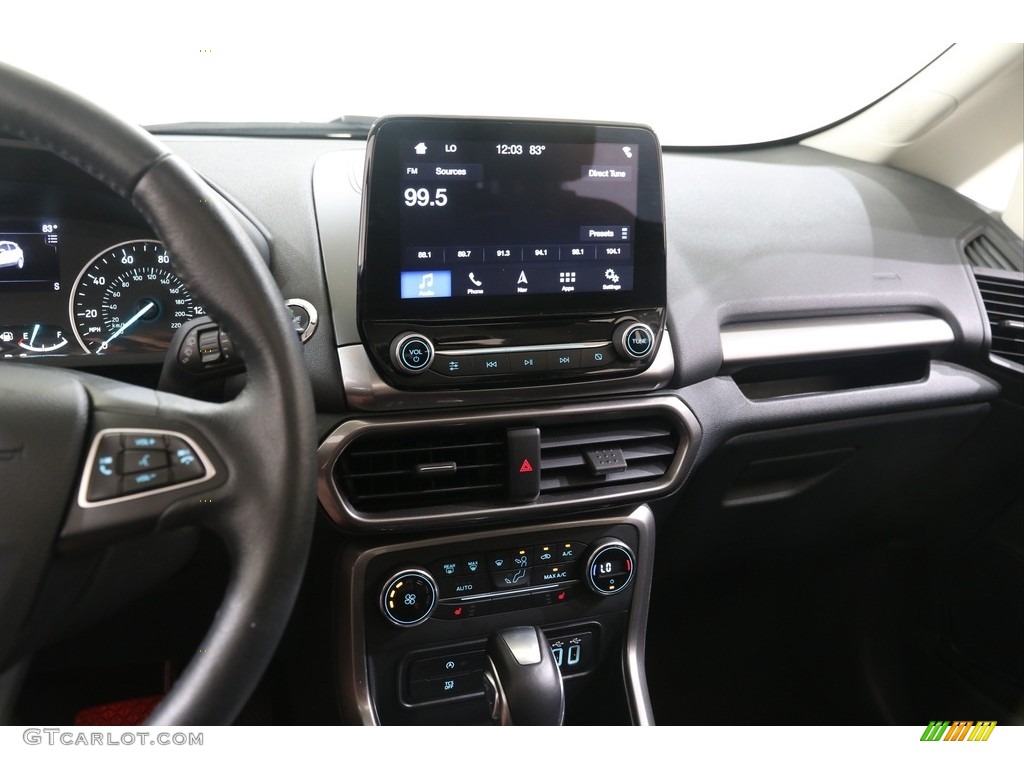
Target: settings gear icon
pixel 609 274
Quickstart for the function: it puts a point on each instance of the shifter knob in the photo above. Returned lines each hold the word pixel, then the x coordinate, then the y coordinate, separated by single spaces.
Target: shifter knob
pixel 523 683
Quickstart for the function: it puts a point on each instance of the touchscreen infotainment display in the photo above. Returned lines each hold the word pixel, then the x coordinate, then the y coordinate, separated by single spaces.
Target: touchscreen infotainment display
pixel 481 217
pixel 497 219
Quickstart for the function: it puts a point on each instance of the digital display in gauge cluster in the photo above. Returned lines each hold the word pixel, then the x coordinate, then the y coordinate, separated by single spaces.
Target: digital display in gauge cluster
pixel 29 259
pixel 72 289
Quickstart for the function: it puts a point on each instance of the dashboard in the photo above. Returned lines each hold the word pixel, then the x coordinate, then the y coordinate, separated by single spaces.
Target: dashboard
pixel 568 378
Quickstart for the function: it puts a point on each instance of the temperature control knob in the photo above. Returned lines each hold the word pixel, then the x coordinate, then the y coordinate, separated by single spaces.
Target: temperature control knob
pixel 610 566
pixel 408 598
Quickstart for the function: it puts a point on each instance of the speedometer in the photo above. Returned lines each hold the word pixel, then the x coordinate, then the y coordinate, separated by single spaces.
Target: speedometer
pixel 129 299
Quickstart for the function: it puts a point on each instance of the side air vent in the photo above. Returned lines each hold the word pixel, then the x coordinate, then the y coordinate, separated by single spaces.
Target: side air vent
pixel 412 472
pixel 1004 305
pixel 423 468
pixel 984 253
pixel 605 454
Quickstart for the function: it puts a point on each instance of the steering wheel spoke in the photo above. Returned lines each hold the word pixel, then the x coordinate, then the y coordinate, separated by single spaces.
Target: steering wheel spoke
pixel 151 461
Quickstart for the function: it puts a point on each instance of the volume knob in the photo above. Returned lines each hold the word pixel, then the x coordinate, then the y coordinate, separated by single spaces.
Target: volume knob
pixel 412 352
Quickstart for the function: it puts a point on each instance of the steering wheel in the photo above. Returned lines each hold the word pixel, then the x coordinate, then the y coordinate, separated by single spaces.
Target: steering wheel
pixel 248 468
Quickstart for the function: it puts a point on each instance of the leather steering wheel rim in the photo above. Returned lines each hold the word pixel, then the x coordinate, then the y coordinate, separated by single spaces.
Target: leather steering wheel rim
pixel 264 502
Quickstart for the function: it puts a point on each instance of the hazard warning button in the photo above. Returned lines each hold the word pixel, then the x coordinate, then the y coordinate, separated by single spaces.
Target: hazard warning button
pixel 524 463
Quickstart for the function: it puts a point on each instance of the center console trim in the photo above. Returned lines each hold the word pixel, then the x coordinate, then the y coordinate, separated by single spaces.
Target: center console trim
pixel 353 672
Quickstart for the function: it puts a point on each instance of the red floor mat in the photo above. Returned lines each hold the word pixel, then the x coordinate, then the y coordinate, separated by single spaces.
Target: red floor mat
pixel 127 712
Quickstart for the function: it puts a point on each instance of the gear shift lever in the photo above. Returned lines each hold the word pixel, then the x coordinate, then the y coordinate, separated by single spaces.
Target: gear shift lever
pixel 523 683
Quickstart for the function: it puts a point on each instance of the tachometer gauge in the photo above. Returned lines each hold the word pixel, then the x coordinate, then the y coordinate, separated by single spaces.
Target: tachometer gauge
pixel 129 299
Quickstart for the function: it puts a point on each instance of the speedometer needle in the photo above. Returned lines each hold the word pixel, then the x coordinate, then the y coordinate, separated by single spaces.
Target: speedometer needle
pixel 132 321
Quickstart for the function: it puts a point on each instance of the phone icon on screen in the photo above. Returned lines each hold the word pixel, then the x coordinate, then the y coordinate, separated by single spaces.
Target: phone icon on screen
pixel 474 281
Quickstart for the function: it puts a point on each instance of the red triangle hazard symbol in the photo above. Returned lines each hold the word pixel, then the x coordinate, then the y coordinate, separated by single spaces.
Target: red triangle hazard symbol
pixel 527 466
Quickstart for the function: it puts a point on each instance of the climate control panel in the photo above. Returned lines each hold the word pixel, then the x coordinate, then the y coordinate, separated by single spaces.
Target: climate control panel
pixel 469 585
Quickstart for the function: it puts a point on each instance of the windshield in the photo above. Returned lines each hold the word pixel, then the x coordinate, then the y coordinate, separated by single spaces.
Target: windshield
pixel 199 62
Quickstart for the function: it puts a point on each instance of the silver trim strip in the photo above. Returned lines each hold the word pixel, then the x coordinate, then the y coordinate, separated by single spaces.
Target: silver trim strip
pixel 347 516
pixel 534 348
pixel 83 487
pixel 779 340
pixel 337 198
pixel 354 675
pixel 365 390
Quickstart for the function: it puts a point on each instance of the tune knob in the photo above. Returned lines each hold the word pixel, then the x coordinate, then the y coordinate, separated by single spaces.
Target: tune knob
pixel 408 598
pixel 634 341
pixel 610 566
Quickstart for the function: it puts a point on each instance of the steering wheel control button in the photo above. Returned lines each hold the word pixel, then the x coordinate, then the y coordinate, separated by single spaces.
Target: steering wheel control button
pixel 145 481
pixel 408 598
pixel 209 346
pixel 412 353
pixel 105 479
pixel 204 348
pixel 127 463
pixel 609 568
pixel 142 461
pixel 185 463
pixel 634 341
pixel 140 441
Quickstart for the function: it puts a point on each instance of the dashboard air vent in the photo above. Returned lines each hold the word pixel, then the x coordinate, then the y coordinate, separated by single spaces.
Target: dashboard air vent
pixel 580 456
pixel 417 471
pixel 984 253
pixel 401 471
pixel 1004 304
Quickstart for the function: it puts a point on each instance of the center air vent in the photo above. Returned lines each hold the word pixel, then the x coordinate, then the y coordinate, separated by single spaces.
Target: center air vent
pixel 403 470
pixel 595 455
pixel 382 473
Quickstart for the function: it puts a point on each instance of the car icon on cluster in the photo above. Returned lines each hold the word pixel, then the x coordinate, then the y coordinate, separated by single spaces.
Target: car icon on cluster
pixel 11 254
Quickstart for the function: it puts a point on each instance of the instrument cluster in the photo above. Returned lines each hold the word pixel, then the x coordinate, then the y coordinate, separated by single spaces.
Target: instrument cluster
pixel 77 288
